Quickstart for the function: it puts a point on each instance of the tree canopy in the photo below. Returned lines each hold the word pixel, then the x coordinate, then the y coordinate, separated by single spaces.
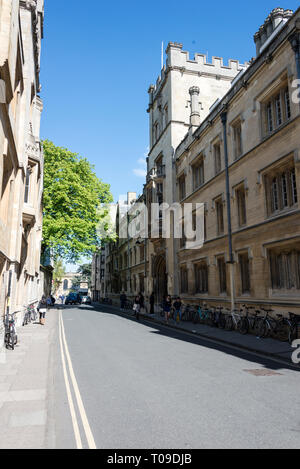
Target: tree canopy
pixel 72 197
pixel 59 272
pixel 84 272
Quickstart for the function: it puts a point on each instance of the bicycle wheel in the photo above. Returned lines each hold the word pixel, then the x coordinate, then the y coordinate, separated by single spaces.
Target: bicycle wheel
pixel 195 318
pixel 229 323
pixel 255 327
pixel 293 333
pixel 222 321
pixel 12 340
pixel 263 330
pixel 282 332
pixel 207 319
pixel 6 340
pixel 243 326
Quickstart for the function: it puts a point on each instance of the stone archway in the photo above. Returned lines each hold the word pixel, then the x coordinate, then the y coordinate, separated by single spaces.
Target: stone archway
pixel 160 279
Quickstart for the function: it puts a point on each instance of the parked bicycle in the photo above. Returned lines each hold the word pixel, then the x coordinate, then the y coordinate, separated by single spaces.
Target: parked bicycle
pixel 128 305
pixel 187 313
pixel 283 328
pixel 11 338
pixel 250 322
pixel 294 326
pixel 30 315
pixel 233 319
pixel 27 316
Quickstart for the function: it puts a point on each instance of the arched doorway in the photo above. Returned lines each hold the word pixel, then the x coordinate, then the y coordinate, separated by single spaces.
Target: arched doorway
pixel 160 279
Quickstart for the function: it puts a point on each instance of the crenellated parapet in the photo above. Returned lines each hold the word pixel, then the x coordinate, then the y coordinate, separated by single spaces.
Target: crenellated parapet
pixel 180 61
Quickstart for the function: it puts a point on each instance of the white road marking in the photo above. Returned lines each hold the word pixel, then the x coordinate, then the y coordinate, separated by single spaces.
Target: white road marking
pixel 69 394
pixel 84 419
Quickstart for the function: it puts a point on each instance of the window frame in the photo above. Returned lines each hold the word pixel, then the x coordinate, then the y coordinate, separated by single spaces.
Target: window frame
pixel 245 273
pixel 281 188
pixel 219 207
pixel 198 173
pixel 201 277
pixel 222 274
pixel 217 157
pixel 276 109
pixel 241 211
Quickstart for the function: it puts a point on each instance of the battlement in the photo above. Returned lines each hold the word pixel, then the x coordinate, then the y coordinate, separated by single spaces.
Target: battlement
pixel 180 60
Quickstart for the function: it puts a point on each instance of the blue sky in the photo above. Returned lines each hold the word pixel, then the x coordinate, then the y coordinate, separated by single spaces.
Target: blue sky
pixel 99 58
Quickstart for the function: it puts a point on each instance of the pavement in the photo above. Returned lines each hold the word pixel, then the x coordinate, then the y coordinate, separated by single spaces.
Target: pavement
pixel 24 387
pixel 95 377
pixel 267 347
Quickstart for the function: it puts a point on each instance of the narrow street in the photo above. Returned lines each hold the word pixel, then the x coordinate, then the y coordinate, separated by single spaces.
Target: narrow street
pixel 145 386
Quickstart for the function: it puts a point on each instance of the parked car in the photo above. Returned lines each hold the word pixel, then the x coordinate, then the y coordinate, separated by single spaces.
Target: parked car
pixel 73 299
pixel 86 300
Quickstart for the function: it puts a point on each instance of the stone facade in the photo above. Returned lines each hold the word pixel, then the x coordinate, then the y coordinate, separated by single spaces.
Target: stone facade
pixel 121 266
pixel 21 156
pixel 66 285
pixel 227 137
pixel 180 100
pixel 255 202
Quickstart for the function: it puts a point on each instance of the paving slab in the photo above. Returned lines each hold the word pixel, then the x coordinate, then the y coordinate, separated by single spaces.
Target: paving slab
pixel 24 379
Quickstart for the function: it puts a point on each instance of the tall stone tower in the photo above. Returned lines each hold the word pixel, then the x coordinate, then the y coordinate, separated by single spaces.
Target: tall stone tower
pixel 181 99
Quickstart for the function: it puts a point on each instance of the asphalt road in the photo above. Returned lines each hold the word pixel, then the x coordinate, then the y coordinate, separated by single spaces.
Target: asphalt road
pixel 138 385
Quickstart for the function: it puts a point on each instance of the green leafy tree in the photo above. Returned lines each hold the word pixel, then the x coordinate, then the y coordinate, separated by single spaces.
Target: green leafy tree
pixel 58 273
pixel 76 281
pixel 72 197
pixel 85 273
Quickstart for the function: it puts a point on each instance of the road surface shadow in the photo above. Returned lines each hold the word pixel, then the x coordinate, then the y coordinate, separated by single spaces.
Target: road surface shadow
pixel 208 343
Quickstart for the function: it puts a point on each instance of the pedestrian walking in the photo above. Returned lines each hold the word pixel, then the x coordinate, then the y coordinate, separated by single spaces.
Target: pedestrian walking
pixel 42 309
pixel 177 307
pixel 152 301
pixel 48 301
pixel 142 301
pixel 167 307
pixel 123 299
pixel 137 307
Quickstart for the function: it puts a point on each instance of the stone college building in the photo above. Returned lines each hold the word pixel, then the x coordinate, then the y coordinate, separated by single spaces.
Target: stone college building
pixel 21 158
pixel 227 136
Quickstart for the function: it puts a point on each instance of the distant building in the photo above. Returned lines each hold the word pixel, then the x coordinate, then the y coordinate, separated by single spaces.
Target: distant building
pixel 66 285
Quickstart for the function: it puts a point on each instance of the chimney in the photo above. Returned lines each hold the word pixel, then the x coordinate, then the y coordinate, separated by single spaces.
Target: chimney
pixel 131 197
pixel 195 114
pixel 275 20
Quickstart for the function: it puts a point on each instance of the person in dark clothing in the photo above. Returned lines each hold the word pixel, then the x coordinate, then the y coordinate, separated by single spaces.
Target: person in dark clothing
pixel 177 306
pixel 123 299
pixel 137 307
pixel 42 309
pixel 152 301
pixel 167 307
pixel 142 300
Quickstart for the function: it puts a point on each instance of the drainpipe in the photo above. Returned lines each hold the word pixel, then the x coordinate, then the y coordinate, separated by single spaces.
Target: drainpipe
pixel 128 255
pixel 231 260
pixel 145 243
pixel 295 44
pixel 8 294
